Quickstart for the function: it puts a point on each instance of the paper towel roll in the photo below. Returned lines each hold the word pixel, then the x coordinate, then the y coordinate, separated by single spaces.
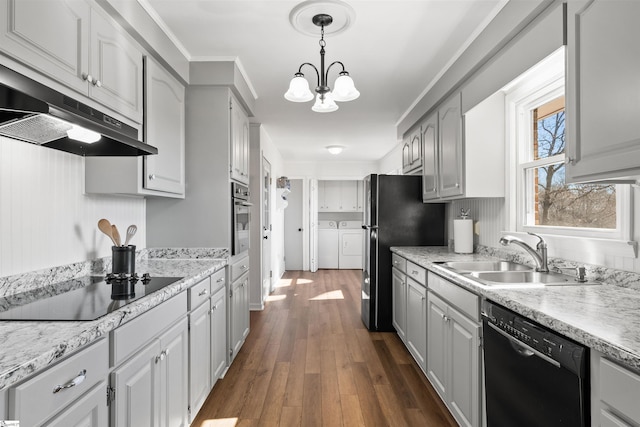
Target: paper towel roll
pixel 463 236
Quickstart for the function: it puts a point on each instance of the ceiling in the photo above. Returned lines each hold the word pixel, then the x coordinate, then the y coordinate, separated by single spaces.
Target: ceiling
pixel 394 50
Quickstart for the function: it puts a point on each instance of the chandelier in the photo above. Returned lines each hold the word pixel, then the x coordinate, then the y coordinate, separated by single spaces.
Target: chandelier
pixel 344 89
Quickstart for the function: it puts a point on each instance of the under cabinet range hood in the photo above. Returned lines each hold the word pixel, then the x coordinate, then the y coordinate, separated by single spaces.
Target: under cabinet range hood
pixel 35 113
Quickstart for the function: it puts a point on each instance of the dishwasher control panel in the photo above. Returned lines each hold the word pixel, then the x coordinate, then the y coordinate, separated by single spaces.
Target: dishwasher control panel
pixel 568 353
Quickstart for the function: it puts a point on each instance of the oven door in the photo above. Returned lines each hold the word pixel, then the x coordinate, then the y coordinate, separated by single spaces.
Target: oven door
pixel 241 226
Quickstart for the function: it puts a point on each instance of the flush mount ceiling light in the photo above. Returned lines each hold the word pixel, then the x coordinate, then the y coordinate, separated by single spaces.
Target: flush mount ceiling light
pixel 335 149
pixel 344 89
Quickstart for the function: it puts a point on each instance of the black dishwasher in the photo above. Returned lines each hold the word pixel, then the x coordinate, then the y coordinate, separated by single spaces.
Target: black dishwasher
pixel 533 376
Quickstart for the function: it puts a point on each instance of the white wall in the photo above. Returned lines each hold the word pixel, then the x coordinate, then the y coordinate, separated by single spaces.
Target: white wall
pixel 391 164
pixel 45 219
pixel 330 170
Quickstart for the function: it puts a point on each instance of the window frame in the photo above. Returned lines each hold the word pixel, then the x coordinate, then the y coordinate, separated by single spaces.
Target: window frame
pixel 534 89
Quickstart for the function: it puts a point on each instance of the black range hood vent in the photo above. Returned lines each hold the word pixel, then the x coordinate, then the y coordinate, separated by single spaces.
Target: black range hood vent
pixel 35 113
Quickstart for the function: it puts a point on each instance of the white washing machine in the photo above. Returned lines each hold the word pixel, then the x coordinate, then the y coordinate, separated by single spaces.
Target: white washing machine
pixel 328 244
pixel 350 235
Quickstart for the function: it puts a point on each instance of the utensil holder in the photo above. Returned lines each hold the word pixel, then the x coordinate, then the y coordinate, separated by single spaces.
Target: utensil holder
pixel 123 259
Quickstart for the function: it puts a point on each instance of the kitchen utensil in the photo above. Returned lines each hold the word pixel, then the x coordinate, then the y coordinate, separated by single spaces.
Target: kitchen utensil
pixel 131 231
pixel 116 234
pixel 105 226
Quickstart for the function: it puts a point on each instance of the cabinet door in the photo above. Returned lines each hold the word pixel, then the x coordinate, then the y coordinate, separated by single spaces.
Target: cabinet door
pixel 430 158
pixel 137 384
pixel 236 303
pixel 416 149
pixel 464 387
pixel 417 321
pixel 437 354
pixel 51 36
pixel 450 148
pixel 360 196
pixel 245 308
pixel 174 389
pixel 199 357
pixel 332 196
pixel 165 129
pixel 406 156
pixel 116 67
pixel 88 411
pixel 349 196
pixel 239 143
pixel 603 138
pixel 218 335
pixel 398 285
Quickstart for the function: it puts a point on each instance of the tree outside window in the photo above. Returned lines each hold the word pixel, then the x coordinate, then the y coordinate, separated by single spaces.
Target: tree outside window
pixel 552 202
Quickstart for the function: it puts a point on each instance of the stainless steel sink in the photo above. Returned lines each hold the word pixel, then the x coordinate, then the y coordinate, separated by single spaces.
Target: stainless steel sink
pixel 519 278
pixel 481 266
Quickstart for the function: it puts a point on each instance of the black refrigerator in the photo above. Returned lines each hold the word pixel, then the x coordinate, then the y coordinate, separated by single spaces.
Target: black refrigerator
pixel 394 216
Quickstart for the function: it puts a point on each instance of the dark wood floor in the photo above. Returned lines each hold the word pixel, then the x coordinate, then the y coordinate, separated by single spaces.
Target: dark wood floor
pixel 309 361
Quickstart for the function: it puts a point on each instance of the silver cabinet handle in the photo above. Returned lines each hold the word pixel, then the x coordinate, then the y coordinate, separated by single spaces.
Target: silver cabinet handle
pixel 244 267
pixel 74 382
pixel 152 176
pixel 220 280
pixel 97 83
pixel 87 77
pixel 203 292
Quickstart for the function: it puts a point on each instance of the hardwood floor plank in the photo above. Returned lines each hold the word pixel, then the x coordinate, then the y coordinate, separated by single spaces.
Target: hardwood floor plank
pixel 309 361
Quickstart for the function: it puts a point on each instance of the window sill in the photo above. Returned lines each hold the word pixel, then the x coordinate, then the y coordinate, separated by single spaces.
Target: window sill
pixel 588 249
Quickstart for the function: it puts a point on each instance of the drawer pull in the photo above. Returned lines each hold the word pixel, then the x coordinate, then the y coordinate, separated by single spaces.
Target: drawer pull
pixel 74 382
pixel 220 280
pixel 202 292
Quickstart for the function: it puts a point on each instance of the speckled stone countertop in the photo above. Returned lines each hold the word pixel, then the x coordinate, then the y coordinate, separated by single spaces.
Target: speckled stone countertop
pixel 604 317
pixel 28 346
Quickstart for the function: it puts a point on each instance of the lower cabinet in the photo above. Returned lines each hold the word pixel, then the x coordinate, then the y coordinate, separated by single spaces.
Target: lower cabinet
pixel 151 388
pixel 417 322
pixel 453 349
pixel 218 321
pixel 615 393
pixel 238 306
pixel 399 289
pixel 65 394
pixel 199 358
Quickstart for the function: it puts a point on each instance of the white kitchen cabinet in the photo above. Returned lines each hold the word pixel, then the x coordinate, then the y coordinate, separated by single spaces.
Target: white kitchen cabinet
pixel 453 348
pixel 602 86
pixel 218 328
pixel 469 165
pixel 239 142
pixel 416 328
pixel 412 153
pixel 361 196
pixel 399 289
pixel 615 393
pixel 199 357
pixel 34 401
pixel 340 196
pixel 238 305
pixel 161 174
pixel 78 45
pixel 151 387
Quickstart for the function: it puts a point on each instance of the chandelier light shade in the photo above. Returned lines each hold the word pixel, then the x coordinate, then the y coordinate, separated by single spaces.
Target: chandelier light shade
pixel 344 88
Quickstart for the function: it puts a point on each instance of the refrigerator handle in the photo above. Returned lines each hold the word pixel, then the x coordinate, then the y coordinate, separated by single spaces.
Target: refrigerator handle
pixel 370 227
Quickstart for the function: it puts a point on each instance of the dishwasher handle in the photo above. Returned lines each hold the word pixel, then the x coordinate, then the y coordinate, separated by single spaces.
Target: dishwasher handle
pixel 522 348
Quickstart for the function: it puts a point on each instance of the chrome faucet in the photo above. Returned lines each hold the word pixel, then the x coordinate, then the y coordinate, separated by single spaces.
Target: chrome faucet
pixel 539 254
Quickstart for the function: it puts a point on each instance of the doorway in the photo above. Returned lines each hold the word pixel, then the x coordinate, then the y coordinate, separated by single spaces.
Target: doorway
pixel 267 286
pixel 293 227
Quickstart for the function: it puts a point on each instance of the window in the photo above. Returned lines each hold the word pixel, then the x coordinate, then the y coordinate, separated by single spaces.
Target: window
pixel 541 200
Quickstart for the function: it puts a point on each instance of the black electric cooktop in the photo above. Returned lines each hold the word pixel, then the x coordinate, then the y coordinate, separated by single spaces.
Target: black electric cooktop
pixel 84 298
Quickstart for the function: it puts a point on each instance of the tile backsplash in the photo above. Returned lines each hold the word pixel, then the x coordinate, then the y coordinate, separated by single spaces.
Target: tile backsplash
pixel 46 219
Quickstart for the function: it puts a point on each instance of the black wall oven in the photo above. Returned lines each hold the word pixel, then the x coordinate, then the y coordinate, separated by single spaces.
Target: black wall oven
pixel 241 218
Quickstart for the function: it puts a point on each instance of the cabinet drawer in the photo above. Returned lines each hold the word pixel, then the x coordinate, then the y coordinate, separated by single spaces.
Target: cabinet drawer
pixel 398 262
pixel 218 280
pixel 467 302
pixel 34 401
pixel 199 293
pixel 417 273
pixel 134 335
pixel 620 389
pixel 239 268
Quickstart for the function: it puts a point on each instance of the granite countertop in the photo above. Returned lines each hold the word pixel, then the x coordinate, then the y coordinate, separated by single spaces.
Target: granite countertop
pixel 605 317
pixel 28 346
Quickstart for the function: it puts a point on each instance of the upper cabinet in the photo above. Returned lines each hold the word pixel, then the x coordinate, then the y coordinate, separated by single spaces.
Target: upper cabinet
pixel 162 174
pixel 465 164
pixel 77 45
pixel 602 87
pixel 412 153
pixel 340 196
pixel 239 143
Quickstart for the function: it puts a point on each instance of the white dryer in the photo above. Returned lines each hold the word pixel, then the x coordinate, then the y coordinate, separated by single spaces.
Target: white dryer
pixel 350 235
pixel 328 244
